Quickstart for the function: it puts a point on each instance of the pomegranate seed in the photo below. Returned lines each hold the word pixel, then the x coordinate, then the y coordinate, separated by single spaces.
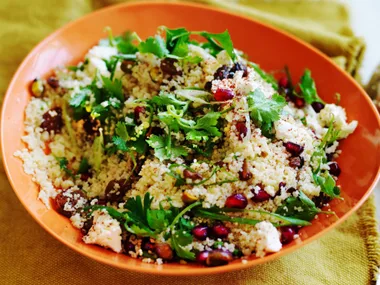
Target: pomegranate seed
pixel 317 106
pixel 242 129
pixel 299 102
pixel 138 110
pixel 202 257
pixel 245 174
pixel 283 82
pixel 220 230
pixel 238 201
pixel 287 234
pixel 239 67
pixel 293 148
pixel 191 175
pixel 223 94
pixel 296 162
pixel 261 195
pixel 200 232
pixel 334 169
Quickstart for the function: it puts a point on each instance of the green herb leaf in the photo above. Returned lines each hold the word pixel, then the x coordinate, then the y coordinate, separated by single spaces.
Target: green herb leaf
pixel 220 41
pixel 300 207
pixel 177 41
pixel 98 152
pixel 327 184
pixel 63 165
pixel 121 130
pixel 307 86
pixel 265 111
pixel 79 99
pixel 154 45
pixel 84 166
pixel 120 143
pixel 165 99
pixel 163 148
pixel 113 88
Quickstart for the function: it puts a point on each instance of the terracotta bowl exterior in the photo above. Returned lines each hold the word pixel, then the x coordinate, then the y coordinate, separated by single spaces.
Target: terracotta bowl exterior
pixel 265 45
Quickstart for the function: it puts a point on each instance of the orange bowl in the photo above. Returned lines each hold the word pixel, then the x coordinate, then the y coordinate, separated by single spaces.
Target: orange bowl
pixel 271 48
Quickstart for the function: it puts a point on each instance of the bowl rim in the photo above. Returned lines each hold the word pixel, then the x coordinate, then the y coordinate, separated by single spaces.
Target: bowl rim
pixel 169 271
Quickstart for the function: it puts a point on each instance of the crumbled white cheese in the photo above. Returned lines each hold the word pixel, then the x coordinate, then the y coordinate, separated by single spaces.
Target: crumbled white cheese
pixel 268 238
pixel 105 231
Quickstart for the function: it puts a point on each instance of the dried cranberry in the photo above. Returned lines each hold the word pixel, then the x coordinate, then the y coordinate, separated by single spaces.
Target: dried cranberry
pixel 91 125
pixel 220 231
pixel 87 226
pixel 202 257
pixel 321 200
pixel 330 156
pixel 261 195
pixel 238 201
pixel 240 67
pixel 281 185
pixel 242 129
pixel 126 66
pixel 334 169
pixel 52 120
pixel 222 72
pixel 128 246
pixel 317 106
pixel 223 94
pixel 208 86
pixel 296 162
pixel 245 174
pixel 283 82
pixel 218 257
pixel 137 111
pixel 85 176
pixel 53 82
pixel 147 245
pixel 71 199
pixel 287 234
pixel 200 232
pixel 291 190
pixel 192 175
pixel 168 67
pixel 116 189
pixel 293 148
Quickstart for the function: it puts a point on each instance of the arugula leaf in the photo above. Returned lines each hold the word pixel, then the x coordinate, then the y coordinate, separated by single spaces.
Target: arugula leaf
pixel 177 41
pixel 154 45
pixel 307 86
pixel 83 166
pixel 219 42
pixel 265 111
pixel 164 99
pixel 265 76
pixel 179 240
pixel 327 184
pixel 300 207
pixel 111 211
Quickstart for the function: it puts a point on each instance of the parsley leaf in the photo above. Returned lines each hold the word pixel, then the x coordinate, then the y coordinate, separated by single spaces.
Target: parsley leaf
pixel 79 99
pixel 179 240
pixel 165 99
pixel 154 45
pixel 300 207
pixel 163 148
pixel 120 143
pixel 63 162
pixel 113 88
pixel 121 130
pixel 265 111
pixel 177 41
pixel 308 89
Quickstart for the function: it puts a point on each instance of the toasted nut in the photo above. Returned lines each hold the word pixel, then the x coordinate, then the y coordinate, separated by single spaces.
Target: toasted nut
pixel 37 87
pixel 192 175
pixel 187 198
pixel 164 251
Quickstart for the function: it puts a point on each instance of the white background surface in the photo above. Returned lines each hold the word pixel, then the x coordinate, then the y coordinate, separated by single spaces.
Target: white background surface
pixel 365 18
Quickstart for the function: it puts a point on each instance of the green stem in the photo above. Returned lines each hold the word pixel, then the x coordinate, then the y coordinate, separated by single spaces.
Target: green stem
pixel 184 211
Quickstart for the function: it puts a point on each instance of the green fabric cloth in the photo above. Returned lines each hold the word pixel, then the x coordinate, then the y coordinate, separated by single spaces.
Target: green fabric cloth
pixel 29 255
